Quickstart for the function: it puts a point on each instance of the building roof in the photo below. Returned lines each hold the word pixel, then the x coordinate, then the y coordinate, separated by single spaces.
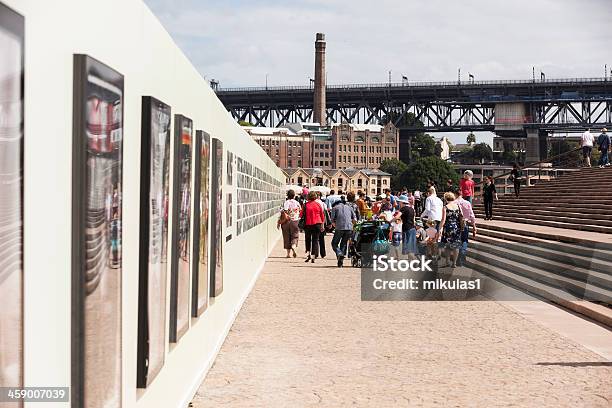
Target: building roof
pixel 375 172
pixel 461 146
pixel 350 171
pixel 361 127
pixel 268 131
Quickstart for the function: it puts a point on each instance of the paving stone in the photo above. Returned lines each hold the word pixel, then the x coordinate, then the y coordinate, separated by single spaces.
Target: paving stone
pixel 304 338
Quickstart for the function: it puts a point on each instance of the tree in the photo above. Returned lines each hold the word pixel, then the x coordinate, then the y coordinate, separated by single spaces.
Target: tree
pixel 482 152
pixel 422 145
pixel 438 149
pixel 562 148
pixel 396 168
pixel 428 168
pixel 471 138
pixel 408 120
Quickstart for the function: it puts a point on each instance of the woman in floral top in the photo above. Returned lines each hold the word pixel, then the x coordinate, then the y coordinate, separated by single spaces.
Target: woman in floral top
pixel 289 223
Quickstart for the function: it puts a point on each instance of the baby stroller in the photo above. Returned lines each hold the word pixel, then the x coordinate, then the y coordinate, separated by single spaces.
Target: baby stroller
pixel 364 234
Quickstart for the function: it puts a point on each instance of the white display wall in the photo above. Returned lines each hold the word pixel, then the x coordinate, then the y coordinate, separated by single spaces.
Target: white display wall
pixel 126 36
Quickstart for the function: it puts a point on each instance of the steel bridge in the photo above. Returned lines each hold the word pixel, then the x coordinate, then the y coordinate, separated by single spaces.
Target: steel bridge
pixel 569 104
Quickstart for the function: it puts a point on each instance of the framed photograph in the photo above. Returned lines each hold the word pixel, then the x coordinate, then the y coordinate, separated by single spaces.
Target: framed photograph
pixel 216 256
pixel 153 251
pixel 181 222
pixel 11 197
pixel 230 168
pixel 96 234
pixel 201 192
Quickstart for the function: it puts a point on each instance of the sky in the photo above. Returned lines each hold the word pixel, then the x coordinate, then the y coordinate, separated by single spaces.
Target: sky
pixel 241 42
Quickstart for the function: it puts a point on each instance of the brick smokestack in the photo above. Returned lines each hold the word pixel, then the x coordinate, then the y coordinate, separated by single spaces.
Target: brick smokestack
pixel 319 85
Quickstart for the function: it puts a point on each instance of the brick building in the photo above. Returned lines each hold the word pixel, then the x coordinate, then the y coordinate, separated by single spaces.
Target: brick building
pixel 364 146
pixel 309 145
pixel 286 147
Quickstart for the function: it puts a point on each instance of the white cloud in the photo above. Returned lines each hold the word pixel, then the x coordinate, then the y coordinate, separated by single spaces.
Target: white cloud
pixel 239 42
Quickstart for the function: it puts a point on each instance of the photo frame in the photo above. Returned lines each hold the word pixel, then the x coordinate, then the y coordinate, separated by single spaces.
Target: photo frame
pixel 216 256
pixel 153 250
pixel 12 132
pixel 97 188
pixel 200 247
pixel 181 228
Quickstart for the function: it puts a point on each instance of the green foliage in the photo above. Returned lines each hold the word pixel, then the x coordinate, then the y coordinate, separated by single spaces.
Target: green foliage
pixel 562 148
pixel 438 149
pixel 393 166
pixel 428 168
pixel 245 123
pixel 396 168
pixel 482 152
pixel 423 145
pixel 471 138
pixel 408 120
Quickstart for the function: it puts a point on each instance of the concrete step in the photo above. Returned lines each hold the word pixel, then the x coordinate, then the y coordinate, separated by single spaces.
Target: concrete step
pixel 583 250
pixel 561 217
pixel 575 287
pixel 501 208
pixel 548 198
pixel 587 193
pixel 562 236
pixel 555 224
pixel 577 211
pixel 572 207
pixel 599 313
pixel 586 270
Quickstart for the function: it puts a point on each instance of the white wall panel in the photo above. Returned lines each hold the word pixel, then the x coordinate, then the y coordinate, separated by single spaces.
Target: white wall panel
pixel 126 36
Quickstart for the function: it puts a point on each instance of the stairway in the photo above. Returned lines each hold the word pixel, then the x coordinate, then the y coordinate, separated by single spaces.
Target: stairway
pixel 563 270
pixel 554 263
pixel 579 201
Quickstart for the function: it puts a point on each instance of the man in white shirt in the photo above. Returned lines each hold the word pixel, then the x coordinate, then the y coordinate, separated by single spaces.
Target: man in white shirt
pixel 586 141
pixel 433 207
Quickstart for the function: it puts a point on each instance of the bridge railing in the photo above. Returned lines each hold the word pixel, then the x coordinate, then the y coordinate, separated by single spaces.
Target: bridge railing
pixel 419 84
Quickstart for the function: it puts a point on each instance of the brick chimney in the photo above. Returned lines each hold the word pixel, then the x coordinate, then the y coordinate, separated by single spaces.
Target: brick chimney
pixel 319 85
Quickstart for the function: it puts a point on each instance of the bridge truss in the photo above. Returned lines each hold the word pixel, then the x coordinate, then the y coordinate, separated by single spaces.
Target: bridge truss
pixel 568 104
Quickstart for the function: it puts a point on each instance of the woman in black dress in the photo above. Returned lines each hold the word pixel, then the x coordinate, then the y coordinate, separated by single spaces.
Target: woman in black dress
pixel 516 175
pixel 451 228
pixel 488 193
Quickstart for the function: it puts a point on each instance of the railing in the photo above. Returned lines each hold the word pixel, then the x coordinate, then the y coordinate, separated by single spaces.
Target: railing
pixel 420 84
pixel 529 166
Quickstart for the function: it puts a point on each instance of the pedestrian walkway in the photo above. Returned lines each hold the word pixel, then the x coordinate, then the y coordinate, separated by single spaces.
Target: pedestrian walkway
pixel 304 338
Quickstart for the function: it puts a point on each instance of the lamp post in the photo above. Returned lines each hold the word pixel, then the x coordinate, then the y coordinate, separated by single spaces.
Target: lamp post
pixel 266 81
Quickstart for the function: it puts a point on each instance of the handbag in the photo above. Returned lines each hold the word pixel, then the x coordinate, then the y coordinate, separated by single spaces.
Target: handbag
pixel 380 245
pixel 329 226
pixel 283 218
pixel 302 221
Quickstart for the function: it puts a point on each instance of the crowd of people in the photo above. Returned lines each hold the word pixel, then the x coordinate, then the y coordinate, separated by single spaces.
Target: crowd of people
pixel 414 223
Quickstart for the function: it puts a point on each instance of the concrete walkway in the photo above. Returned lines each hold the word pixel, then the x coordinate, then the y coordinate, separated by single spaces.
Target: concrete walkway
pixel 305 338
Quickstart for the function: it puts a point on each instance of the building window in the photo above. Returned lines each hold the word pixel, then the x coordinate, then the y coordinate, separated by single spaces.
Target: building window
pixel 384 182
pixel 359 183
